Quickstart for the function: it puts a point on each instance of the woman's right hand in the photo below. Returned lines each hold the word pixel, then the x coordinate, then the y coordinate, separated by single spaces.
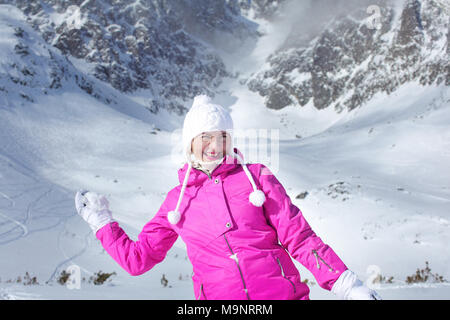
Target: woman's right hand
pixel 349 287
pixel 93 208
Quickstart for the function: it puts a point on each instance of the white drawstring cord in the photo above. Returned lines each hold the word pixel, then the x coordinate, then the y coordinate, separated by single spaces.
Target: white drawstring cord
pixel 175 216
pixel 256 197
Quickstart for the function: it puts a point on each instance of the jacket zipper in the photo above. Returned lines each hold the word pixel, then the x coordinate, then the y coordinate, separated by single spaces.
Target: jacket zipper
pixel 284 276
pixel 320 258
pixel 234 257
pixel 201 292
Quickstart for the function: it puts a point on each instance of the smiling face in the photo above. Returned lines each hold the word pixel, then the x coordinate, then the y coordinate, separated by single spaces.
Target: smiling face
pixel 210 146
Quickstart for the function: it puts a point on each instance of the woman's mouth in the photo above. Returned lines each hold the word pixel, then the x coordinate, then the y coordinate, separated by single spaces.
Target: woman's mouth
pixel 211 155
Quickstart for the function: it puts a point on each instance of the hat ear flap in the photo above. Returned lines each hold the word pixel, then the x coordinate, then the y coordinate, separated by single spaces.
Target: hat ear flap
pixel 230 145
pixel 188 153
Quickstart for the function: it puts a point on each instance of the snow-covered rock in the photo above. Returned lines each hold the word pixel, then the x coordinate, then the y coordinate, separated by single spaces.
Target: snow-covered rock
pixel 353 57
pixel 166 47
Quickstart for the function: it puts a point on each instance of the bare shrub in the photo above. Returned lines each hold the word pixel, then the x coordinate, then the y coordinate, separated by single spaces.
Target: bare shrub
pixel 425 275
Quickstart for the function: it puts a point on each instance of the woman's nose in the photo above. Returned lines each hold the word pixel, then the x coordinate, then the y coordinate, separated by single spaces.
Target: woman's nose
pixel 215 143
pixel 212 146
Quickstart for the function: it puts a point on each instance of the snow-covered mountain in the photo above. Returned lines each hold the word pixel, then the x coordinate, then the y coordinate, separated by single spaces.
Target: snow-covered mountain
pixel 372 179
pixel 351 55
pixel 165 47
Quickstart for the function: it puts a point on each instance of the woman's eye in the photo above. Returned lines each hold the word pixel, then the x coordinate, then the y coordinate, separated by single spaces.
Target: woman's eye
pixel 209 138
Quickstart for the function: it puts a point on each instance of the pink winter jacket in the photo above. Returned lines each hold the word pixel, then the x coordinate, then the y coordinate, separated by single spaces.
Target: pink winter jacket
pixel 237 250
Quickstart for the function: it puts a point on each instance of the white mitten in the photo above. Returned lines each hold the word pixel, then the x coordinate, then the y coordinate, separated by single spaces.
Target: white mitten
pixel 94 209
pixel 349 287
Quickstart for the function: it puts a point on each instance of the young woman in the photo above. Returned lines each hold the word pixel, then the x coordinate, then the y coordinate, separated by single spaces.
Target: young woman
pixel 237 221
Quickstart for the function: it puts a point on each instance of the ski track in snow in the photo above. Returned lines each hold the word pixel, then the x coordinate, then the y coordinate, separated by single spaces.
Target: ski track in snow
pixel 68 259
pixel 28 215
pixel 12 202
pixel 34 207
pixel 18 223
pixel 12 294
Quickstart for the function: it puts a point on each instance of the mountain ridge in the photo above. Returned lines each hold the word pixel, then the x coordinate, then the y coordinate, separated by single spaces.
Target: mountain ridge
pixel 348 62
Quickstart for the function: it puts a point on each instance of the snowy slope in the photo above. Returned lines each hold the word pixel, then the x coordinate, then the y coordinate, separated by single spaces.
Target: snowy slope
pixel 378 184
pixel 377 180
pixel 66 140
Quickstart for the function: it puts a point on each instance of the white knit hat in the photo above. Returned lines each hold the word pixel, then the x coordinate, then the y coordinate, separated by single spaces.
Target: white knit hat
pixel 205 116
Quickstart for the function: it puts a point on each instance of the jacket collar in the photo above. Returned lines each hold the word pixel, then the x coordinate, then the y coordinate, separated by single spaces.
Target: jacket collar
pixel 198 177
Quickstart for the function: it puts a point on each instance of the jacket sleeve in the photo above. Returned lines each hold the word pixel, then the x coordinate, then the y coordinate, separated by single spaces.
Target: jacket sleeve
pixel 137 257
pixel 295 234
